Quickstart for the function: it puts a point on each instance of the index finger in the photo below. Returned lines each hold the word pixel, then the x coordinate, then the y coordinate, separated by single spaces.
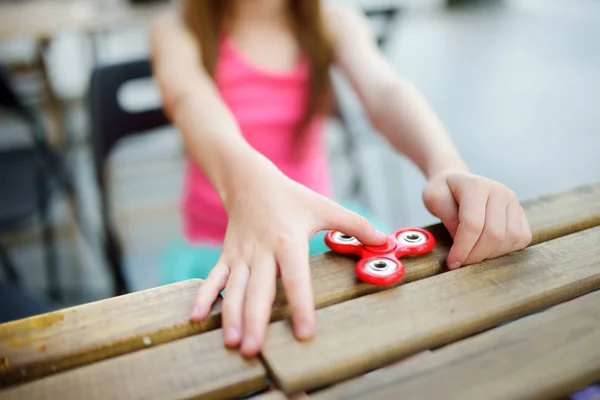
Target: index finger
pixel 471 221
pixel 295 276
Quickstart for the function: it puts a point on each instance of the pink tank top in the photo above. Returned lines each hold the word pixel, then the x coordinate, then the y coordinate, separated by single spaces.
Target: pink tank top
pixel 267 106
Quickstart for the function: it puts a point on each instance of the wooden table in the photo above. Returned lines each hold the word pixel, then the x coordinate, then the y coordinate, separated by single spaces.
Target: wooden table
pixel 42 20
pixel 437 334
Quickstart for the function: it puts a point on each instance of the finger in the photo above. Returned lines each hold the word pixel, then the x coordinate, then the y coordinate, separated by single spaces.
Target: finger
pixel 209 291
pixel 494 230
pixel 295 276
pixel 526 236
pixel 514 229
pixel 258 305
pixel 336 217
pixel 471 216
pixel 233 303
pixel 441 203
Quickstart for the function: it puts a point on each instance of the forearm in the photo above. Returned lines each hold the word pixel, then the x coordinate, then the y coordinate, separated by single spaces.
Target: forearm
pixel 213 141
pixel 192 102
pixel 405 118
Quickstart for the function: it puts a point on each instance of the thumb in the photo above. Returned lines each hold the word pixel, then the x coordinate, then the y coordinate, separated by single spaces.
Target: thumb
pixel 440 202
pixel 338 218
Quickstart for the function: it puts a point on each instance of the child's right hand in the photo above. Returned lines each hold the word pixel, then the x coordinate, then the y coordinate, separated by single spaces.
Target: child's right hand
pixel 270 220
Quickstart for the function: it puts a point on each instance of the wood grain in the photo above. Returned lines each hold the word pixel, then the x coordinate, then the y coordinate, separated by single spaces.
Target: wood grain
pixel 369 332
pixel 547 355
pixel 52 342
pixel 333 277
pixel 271 395
pixel 279 395
pixel 563 213
pixel 198 367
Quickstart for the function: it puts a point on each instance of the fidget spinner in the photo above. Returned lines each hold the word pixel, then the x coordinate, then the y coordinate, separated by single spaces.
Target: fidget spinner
pixel 379 265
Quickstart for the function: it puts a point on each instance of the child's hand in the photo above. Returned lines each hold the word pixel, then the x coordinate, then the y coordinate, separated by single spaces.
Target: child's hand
pixel 484 217
pixel 270 220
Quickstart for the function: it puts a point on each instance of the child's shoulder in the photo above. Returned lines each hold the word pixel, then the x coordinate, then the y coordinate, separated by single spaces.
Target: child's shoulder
pixel 344 20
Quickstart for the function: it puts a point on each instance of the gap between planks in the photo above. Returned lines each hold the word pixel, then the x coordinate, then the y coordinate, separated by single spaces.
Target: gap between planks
pixel 49 343
pixel 547 355
pixel 359 335
pixel 197 367
pixel 550 217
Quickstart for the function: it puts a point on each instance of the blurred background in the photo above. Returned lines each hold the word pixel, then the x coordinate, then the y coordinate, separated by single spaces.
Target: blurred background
pixel 517 83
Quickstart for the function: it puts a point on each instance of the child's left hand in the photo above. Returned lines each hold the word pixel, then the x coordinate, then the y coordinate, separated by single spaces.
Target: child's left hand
pixel 484 217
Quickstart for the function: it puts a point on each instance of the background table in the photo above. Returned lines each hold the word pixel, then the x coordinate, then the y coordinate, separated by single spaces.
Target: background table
pixel 457 334
pixel 43 20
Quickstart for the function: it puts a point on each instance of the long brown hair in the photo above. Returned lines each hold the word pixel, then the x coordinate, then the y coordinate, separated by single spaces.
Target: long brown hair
pixel 206 18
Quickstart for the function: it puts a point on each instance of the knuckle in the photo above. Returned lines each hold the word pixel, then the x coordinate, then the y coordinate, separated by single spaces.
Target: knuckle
pixel 219 272
pixel 433 196
pixel 526 239
pixel 479 182
pixel 284 240
pixel 473 225
pixel 495 234
pixel 514 236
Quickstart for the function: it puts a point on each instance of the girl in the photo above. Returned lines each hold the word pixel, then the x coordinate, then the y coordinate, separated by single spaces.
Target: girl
pixel 247 84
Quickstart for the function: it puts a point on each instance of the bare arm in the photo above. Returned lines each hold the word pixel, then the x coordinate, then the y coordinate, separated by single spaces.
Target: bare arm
pixel 484 217
pixel 270 216
pixel 396 109
pixel 192 102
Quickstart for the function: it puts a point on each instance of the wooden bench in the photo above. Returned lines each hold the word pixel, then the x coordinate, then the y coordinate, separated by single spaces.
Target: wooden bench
pixel 525 325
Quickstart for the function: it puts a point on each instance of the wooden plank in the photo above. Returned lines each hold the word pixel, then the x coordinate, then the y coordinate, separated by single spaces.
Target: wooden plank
pixel 271 395
pixel 369 332
pixel 549 217
pixel 198 367
pixel 52 342
pixel 564 213
pixel 547 355
pixel 279 395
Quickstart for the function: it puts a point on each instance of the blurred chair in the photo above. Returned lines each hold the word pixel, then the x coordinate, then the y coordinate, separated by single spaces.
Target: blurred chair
pixel 30 176
pixel 110 123
pixel 389 15
pixel 18 304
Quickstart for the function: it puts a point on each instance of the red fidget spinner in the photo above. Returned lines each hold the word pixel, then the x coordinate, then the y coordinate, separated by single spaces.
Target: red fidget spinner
pixel 379 265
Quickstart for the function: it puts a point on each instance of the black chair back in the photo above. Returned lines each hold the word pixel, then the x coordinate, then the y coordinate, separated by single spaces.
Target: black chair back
pixel 8 98
pixel 110 123
pixel 10 101
pixel 390 16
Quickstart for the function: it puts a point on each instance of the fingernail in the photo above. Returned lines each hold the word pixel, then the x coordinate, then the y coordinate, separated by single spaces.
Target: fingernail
pixel 232 334
pixel 303 331
pixel 196 312
pixel 455 265
pixel 250 343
